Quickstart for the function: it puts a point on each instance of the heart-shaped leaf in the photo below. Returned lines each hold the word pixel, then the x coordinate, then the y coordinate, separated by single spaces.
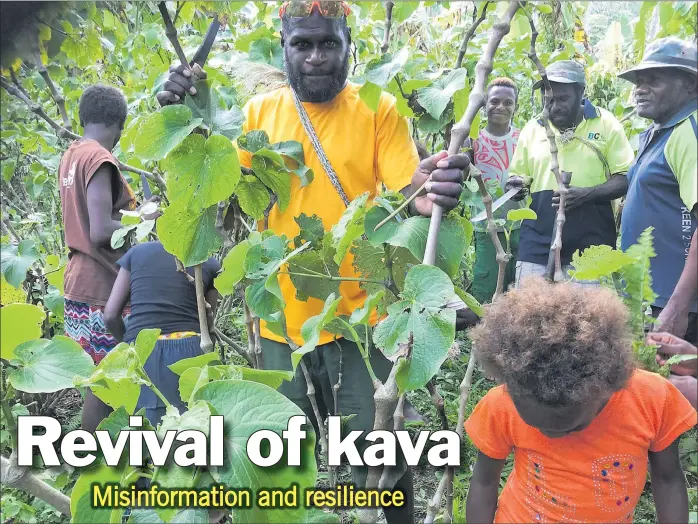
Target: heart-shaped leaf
pixel 253 196
pixel 420 316
pixel 46 366
pixel 412 234
pixel 189 235
pixel 164 130
pixel 436 97
pixel 248 407
pixel 16 260
pixel 211 109
pixel 313 327
pixel 202 172
pixel 25 320
pixel 233 268
pixel 349 228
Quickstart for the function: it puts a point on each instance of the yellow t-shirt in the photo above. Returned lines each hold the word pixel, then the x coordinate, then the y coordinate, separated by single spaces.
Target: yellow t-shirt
pixel 364 148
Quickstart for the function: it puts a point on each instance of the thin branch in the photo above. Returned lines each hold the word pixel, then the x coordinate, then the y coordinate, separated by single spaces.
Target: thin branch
pixel 391 474
pixel 180 5
pixel 202 306
pixel 64 132
pixel 14 476
pixel 249 326
pixel 310 392
pixel 220 218
pixel 459 133
pixel 554 269
pixel 11 229
pixel 154 177
pixel 16 82
pixel 629 115
pixel 235 346
pixel 470 32
pixel 438 402
pixel 61 131
pixel 171 32
pixel 258 342
pixel 57 97
pixel 388 24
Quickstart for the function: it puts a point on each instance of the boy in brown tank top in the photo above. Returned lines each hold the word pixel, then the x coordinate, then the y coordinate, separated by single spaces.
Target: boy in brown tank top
pixel 93 192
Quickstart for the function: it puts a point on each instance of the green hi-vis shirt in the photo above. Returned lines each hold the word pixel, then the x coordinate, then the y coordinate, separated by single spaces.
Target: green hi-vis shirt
pixel 591 223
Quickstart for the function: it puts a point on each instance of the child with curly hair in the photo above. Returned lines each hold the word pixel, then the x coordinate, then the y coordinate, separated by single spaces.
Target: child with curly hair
pixel 580 419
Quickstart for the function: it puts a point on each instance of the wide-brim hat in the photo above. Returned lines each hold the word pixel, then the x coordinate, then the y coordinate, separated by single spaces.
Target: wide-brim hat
pixel 666 53
pixel 564 72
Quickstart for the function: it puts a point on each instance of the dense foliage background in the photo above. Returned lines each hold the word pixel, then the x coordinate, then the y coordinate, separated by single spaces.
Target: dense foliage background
pixel 124 44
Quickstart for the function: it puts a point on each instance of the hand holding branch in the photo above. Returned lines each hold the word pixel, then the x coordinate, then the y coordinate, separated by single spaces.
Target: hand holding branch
pixel 442 178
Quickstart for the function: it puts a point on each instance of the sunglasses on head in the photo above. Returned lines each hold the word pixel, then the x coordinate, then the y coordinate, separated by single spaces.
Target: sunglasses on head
pixel 303 8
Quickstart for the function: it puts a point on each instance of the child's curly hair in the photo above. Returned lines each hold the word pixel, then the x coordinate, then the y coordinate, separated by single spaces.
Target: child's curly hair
pixel 558 343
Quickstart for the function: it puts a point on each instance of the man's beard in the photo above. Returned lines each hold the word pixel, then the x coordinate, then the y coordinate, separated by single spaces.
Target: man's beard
pixel 327 92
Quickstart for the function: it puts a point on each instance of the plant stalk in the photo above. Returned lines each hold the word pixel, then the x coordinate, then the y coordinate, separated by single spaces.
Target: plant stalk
pixel 206 342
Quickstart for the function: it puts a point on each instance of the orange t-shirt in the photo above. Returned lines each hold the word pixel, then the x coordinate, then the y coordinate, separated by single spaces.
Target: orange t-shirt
pixel 594 475
pixel 364 148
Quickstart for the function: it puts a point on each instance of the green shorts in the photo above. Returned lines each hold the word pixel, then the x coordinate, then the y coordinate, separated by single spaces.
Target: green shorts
pixel 486 268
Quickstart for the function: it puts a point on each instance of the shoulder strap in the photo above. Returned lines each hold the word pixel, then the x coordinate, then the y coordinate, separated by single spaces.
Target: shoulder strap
pixel 607 169
pixel 317 146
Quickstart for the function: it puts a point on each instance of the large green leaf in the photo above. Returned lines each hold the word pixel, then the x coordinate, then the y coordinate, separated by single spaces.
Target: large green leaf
pixel 349 228
pixel 248 407
pixel 46 366
pixel 640 31
pixel 303 269
pixel 16 260
pixel 254 140
pixel 267 51
pixel 363 314
pixel 310 229
pixel 211 109
pixel 233 268
pixel 163 130
pixel 436 97
pixel 181 366
pixel 370 263
pixel 116 380
pixel 253 196
pixel 382 70
pixel 412 234
pixel 421 317
pixel 190 236
pixel 20 323
pixel 271 377
pixel 145 343
pixel 370 93
pixel 10 294
pixel 597 262
pixel 293 151
pixel 202 172
pixel 264 298
pixel 81 503
pixel 270 168
pixel 313 327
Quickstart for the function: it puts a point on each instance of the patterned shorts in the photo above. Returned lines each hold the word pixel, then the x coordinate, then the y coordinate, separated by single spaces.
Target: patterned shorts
pixel 85 325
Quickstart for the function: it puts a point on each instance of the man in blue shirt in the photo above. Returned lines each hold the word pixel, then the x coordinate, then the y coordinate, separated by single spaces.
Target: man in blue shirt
pixel 662 189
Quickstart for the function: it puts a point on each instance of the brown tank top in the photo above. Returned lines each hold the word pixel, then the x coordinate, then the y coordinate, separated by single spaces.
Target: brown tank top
pixel 91 269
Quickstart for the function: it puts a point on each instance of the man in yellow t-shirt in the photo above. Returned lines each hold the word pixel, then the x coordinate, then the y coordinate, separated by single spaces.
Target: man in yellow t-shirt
pixel 365 148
